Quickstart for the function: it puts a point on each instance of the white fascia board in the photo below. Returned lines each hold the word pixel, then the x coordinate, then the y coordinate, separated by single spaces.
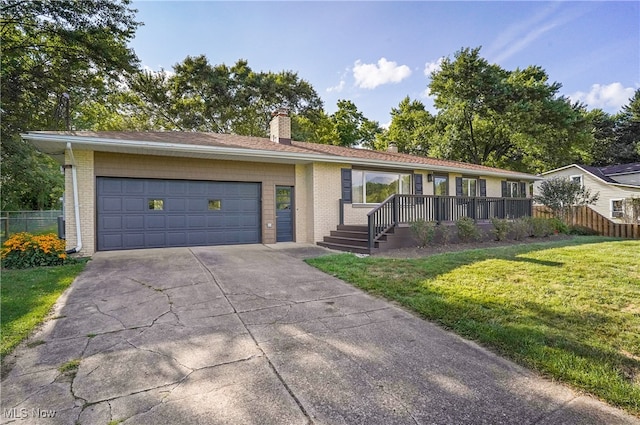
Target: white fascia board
pixel 256 154
pixel 562 168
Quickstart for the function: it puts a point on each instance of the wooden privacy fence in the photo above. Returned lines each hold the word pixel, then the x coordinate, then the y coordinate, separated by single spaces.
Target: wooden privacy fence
pixel 587 217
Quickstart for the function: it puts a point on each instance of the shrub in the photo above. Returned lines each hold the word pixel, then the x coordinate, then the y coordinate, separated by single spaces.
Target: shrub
pixel 501 228
pixel 424 230
pixel 582 231
pixel 467 230
pixel 540 227
pixel 23 250
pixel 445 234
pixel 521 228
pixel 558 226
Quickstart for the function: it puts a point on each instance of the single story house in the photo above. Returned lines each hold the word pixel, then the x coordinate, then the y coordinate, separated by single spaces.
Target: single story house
pixel 129 190
pixel 615 184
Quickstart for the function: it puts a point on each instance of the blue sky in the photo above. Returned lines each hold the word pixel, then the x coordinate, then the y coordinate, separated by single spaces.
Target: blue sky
pixel 376 53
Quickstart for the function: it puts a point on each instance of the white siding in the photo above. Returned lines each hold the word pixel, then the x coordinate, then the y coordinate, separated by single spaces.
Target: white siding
pixel 606 191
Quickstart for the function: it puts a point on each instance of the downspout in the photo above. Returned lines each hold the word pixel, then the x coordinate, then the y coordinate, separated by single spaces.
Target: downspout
pixel 76 206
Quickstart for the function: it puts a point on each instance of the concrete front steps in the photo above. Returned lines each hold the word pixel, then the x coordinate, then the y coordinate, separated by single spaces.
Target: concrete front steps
pixel 350 238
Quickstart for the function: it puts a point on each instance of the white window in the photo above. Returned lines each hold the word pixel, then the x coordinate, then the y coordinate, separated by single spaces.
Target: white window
pixel 513 190
pixel 576 178
pixel 373 187
pixel 617 208
pixel 469 187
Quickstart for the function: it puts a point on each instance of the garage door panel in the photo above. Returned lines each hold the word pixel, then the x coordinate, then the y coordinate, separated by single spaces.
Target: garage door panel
pixel 112 241
pixel 155 222
pixel 134 187
pixel 196 221
pixel 175 205
pixel 112 223
pixel 135 204
pixel 111 186
pixel 133 222
pixel 176 188
pixel 132 240
pixel 197 205
pixel 176 222
pixel 111 203
pixel 197 189
pixel 177 238
pixel 146 213
pixel 155 239
pixel 155 187
pixel 195 239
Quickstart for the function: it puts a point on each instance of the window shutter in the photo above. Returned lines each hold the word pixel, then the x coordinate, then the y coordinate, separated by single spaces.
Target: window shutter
pixel 483 187
pixel 504 189
pixel 346 185
pixel 417 184
pixel 523 189
pixel 458 186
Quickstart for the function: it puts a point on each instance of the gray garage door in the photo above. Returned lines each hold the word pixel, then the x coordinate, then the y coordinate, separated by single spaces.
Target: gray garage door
pixel 149 213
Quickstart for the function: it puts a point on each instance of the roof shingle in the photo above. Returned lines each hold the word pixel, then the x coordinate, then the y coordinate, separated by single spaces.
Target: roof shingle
pixel 262 143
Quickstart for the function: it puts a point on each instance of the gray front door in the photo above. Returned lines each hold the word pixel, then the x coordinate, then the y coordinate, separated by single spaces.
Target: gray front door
pixel 154 213
pixel 284 215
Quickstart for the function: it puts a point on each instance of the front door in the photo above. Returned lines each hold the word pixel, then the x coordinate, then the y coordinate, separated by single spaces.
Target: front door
pixel 441 205
pixel 284 213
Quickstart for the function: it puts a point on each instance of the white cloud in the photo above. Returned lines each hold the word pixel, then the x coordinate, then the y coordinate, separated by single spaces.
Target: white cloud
pixel 371 75
pixel 609 97
pixel 434 66
pixel 337 88
pixel 520 35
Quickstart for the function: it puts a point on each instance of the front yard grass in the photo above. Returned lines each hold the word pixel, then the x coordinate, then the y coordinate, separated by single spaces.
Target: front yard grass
pixel 27 297
pixel 569 309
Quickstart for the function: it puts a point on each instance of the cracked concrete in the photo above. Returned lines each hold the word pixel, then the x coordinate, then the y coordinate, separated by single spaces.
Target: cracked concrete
pixel 251 334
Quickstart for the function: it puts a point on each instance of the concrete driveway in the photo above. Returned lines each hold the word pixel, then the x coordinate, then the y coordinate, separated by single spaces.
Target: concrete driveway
pixel 251 334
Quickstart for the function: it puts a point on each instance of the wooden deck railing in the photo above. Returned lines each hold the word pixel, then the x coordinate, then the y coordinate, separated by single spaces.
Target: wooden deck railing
pixel 588 217
pixel 403 209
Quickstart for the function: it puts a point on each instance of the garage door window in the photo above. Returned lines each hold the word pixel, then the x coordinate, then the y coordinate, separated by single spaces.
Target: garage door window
pixel 156 204
pixel 215 204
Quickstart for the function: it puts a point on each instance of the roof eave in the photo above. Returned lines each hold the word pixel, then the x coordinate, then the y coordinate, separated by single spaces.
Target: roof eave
pixel 174 149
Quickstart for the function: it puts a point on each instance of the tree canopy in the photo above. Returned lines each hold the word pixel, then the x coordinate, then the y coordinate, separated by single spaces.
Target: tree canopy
pixel 50 48
pixel 512 119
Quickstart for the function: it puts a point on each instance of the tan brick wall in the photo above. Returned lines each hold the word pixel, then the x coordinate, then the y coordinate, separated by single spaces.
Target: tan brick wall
pixel 147 166
pixel 326 196
pixel 304 203
pixel 84 162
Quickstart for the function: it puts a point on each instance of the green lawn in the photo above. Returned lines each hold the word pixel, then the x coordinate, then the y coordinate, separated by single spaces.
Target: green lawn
pixel 27 297
pixel 569 309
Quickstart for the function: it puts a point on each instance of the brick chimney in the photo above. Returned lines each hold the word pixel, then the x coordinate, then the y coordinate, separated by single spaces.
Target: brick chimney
pixel 392 147
pixel 280 127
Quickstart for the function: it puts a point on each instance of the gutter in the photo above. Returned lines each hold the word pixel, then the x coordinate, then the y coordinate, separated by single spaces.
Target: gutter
pixel 76 206
pixel 94 142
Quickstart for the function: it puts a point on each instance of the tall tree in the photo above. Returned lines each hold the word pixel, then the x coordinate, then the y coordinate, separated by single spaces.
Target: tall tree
pixel 411 128
pixel 352 127
pixel 198 96
pixel 49 49
pixel 513 119
pixel 627 132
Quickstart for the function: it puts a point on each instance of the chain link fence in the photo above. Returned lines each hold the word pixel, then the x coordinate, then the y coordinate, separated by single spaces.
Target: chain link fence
pixel 37 222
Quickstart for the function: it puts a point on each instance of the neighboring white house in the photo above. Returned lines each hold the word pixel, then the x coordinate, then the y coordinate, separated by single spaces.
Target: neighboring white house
pixel 614 183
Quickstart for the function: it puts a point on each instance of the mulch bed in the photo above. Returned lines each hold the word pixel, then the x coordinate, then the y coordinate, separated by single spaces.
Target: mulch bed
pixel 419 252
